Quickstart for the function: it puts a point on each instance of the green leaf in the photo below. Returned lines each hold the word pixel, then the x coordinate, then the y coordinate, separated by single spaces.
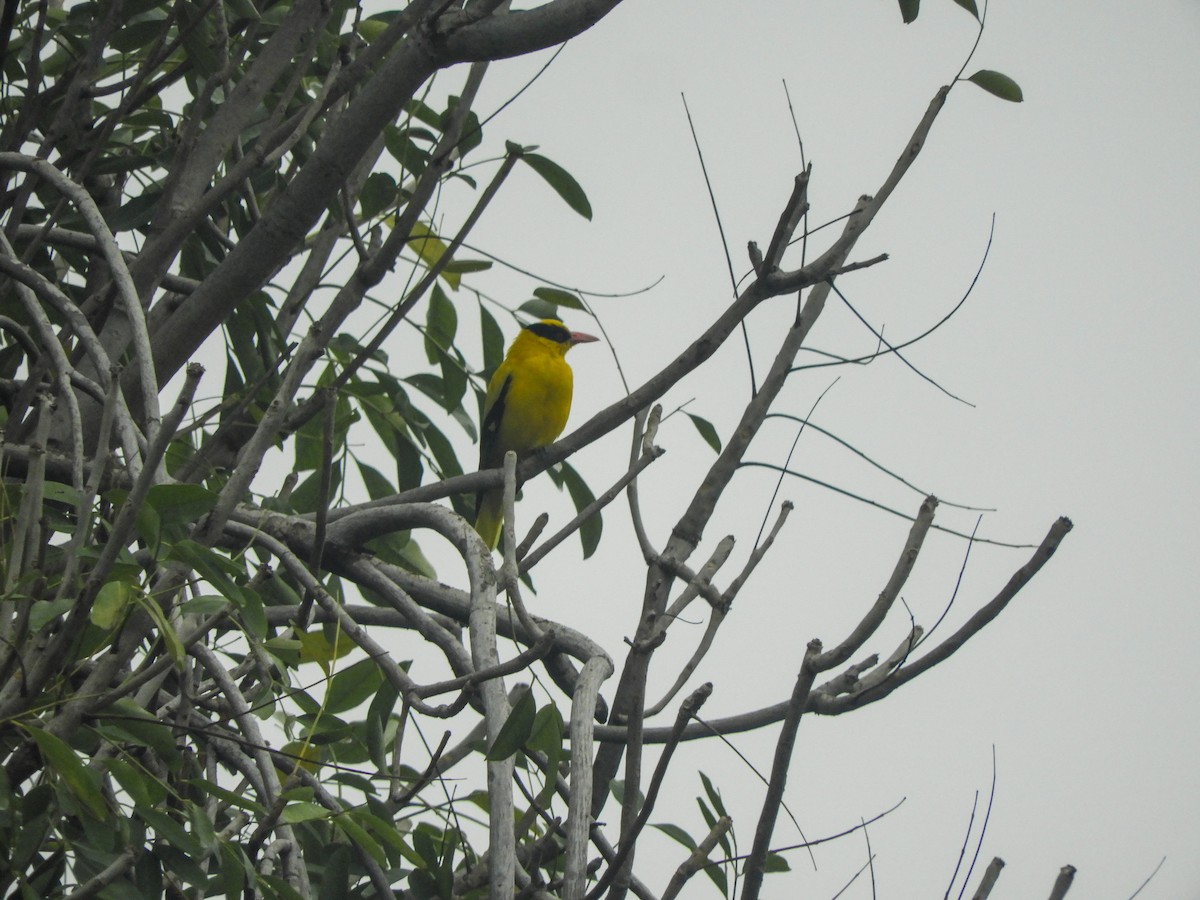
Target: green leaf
pixel 136 782
pixel 717 876
pixel 171 642
pixel 516 729
pixel 360 838
pixel 431 248
pixel 774 862
pixel 998 84
pixel 969 6
pixel 79 781
pixel 441 321
pixel 581 496
pixel 467 266
pixel 202 826
pixel 425 847
pixel 618 791
pixel 471 135
pixel 112 600
pixel 909 10
pixel 493 340
pixel 546 735
pixel 352 685
pixel 676 833
pixel 335 874
pixel 294 813
pixel 562 182
pixel 713 794
pixel 170 831
pixel 180 504
pixel 125 720
pixel 238 800
pixel 377 194
pixel 377 485
pixel 204 605
pixel 538 308
pixel 45 611
pixel 707 431
pixel 64 493
pixel 235 869
pixel 559 298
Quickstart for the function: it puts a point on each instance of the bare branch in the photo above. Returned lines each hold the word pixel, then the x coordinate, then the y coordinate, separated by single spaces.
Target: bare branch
pixel 779 772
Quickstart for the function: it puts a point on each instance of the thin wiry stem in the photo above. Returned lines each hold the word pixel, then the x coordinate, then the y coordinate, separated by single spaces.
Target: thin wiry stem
pixel 809 423
pixel 712 197
pixel 987 815
pixel 900 356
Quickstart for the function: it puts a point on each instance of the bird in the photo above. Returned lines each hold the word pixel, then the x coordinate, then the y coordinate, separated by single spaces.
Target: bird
pixel 526 407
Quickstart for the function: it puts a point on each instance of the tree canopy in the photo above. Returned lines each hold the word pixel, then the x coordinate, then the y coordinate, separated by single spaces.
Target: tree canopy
pixel 202 693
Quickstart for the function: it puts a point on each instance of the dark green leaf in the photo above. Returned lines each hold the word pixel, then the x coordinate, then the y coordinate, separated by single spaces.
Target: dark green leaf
pixel 303 811
pixel 80 782
pixel 558 297
pixel 717 876
pixel 170 831
pixel 202 826
pixel 426 848
pixel 44 611
pixel 618 791
pixel 471 135
pixel 677 833
pixel 235 869
pixel 909 10
pixel 492 338
pixel 143 788
pixel 516 729
pixel 443 451
pixel 969 6
pixel 546 735
pixel 562 182
pixel 467 266
pixel 125 719
pixel 377 194
pixel 178 504
pixel 998 84
pixel 139 31
pixel 134 213
pixel 166 631
pixel 707 431
pixel 377 485
pixel 441 321
pixel 352 685
pixel 713 794
pixel 582 496
pixel 204 605
pixel 775 862
pixel 335 875
pixel 63 493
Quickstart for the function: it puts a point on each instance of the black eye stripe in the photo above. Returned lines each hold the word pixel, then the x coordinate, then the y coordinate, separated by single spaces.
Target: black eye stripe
pixel 551 332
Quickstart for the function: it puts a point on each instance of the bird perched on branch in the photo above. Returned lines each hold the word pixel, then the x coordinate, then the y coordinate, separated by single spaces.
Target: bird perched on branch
pixel 527 404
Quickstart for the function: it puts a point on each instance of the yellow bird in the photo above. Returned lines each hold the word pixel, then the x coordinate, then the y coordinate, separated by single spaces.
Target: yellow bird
pixel 527 404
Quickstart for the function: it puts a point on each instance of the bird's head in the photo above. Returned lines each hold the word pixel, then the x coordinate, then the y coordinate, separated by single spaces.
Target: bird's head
pixel 555 331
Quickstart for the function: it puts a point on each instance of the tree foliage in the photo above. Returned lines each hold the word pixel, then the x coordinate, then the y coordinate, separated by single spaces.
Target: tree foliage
pixel 200 694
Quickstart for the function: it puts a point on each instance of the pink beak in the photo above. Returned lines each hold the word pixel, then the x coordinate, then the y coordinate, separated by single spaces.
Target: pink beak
pixel 578 337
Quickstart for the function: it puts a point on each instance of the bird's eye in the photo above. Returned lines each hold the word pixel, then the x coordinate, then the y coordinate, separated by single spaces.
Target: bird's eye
pixel 552 331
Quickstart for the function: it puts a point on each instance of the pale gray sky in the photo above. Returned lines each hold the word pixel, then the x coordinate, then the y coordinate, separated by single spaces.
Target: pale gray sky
pixel 1076 349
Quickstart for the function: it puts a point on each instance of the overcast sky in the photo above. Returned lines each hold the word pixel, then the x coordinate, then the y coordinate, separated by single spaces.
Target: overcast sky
pixel 1073 357
pixel 1075 351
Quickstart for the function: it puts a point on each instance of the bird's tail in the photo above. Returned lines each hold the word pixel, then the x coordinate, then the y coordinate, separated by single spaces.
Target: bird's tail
pixel 489 513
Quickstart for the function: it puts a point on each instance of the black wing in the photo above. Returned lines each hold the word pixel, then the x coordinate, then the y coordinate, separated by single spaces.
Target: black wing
pixel 490 454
